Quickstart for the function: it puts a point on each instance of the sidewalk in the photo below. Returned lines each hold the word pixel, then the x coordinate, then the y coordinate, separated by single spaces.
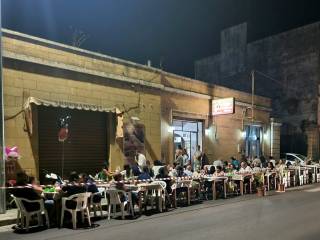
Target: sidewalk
pixel 10 217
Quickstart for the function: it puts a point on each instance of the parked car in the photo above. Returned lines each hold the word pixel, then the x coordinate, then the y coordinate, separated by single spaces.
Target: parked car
pixel 294 159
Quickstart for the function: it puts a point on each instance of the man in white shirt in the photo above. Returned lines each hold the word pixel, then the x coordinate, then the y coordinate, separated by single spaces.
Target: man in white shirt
pixel 141 159
pixel 245 168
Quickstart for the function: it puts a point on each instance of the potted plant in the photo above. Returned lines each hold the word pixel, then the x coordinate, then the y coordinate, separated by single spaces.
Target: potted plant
pixel 259 182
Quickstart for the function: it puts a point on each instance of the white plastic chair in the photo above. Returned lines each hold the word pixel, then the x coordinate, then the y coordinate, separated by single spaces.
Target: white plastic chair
pixel 96 205
pixel 114 200
pixel 81 200
pixel 24 217
pixel 181 184
pixel 162 195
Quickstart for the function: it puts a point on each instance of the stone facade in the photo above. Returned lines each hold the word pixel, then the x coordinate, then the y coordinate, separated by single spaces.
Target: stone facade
pixel 40 68
pixel 287 71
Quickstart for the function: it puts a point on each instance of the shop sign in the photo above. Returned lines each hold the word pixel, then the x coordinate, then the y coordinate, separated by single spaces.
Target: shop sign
pixel 223 106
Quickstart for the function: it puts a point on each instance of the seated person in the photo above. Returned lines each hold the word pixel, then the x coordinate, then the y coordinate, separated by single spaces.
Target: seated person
pixel 145 174
pixel 150 170
pixel 188 171
pixel 118 184
pixel 90 186
pixel 173 171
pixel 257 167
pixel 26 191
pixel 219 172
pixel 212 170
pixel 245 168
pixel 180 171
pixel 157 163
pixel 135 169
pixel 205 170
pixel 72 188
pixel 256 162
pixel 204 160
pixel 270 167
pixel 105 174
pixel 35 184
pixel 230 168
pixel 235 163
pixel 164 176
pixel 127 172
pixel 281 165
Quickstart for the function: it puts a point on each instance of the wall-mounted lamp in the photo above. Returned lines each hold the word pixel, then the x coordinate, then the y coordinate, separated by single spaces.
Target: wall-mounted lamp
pixel 243 134
pixel 170 129
pixel 207 131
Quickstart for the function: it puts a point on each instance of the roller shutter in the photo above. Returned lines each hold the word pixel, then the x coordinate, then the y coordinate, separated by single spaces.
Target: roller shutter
pixel 86 148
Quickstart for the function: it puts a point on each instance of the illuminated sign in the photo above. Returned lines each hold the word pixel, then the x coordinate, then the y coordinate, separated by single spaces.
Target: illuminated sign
pixel 223 106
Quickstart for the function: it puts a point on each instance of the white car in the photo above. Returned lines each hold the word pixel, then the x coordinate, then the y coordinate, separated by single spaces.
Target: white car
pixel 294 159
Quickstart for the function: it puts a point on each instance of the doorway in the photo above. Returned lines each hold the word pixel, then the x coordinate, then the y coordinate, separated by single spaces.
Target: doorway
pixel 253 136
pixel 187 134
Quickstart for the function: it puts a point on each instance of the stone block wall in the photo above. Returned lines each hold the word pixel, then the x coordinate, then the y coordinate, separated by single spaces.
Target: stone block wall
pixel 43 69
pixel 289 63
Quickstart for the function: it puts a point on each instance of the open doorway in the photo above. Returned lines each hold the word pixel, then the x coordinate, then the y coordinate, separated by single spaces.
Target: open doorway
pixel 187 134
pixel 253 136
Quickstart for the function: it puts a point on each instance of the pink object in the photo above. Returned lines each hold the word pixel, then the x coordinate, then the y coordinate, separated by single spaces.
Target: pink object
pixel 12 152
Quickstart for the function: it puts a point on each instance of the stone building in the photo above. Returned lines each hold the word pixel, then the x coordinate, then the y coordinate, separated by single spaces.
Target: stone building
pixel 115 107
pixel 286 70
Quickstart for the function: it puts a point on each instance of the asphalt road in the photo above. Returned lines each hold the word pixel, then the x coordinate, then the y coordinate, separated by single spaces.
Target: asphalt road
pixel 292 215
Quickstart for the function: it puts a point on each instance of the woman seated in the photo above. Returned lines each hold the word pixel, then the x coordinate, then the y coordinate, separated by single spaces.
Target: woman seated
pixel 270 167
pixel 164 176
pixel 145 174
pixel 105 175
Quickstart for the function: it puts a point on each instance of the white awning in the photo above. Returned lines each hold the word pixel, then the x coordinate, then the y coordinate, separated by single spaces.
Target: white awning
pixel 70 105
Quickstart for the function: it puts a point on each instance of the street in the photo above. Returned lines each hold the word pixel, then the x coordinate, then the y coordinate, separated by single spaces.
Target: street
pixel 292 215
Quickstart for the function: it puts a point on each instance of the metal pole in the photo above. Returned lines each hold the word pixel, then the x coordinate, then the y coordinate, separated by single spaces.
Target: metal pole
pixel 62 162
pixel 252 95
pixel 2 157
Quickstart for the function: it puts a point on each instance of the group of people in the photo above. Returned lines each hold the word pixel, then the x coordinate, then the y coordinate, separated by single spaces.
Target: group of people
pixel 140 169
pixel 28 187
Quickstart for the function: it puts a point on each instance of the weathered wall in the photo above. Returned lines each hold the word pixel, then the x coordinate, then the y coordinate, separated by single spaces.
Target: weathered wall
pixel 290 58
pixel 43 69
pixel 22 80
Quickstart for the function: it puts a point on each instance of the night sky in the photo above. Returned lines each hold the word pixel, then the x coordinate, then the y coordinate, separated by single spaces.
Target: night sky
pixel 176 31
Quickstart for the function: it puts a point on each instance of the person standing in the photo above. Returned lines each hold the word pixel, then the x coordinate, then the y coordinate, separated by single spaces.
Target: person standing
pixel 197 159
pixel 179 159
pixel 185 157
pixel 141 159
